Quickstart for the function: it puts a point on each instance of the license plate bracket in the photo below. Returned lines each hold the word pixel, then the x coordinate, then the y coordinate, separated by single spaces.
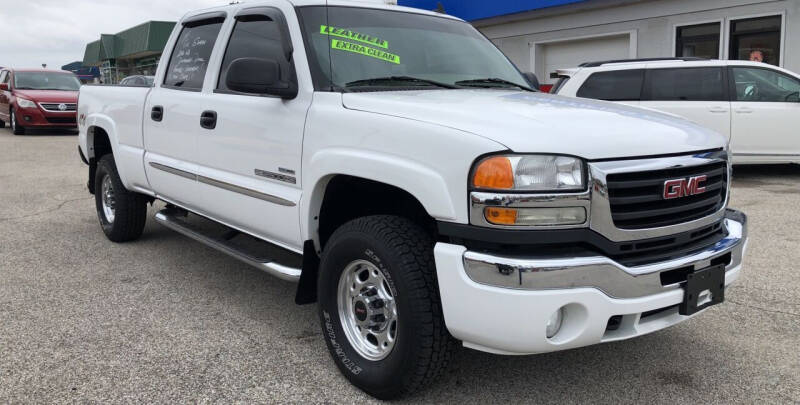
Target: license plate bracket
pixel 702 289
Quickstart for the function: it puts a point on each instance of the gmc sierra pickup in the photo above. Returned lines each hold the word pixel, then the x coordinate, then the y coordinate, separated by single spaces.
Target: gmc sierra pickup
pixel 404 173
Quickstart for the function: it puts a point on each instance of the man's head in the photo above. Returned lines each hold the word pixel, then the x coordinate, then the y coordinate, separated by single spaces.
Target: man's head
pixel 756 56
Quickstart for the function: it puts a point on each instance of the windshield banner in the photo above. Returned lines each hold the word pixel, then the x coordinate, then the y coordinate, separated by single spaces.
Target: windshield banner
pixel 365 50
pixel 354 36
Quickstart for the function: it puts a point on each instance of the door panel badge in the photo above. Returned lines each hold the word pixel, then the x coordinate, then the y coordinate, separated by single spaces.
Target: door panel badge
pixel 286 175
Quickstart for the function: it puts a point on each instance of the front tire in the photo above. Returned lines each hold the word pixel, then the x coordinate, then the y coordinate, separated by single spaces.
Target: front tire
pixel 122 213
pixel 379 306
pixel 15 127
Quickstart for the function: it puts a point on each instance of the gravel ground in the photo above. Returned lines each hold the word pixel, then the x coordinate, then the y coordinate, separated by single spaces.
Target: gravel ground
pixel 165 319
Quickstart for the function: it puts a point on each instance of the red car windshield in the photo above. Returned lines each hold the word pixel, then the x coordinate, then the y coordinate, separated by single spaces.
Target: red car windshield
pixel 46 81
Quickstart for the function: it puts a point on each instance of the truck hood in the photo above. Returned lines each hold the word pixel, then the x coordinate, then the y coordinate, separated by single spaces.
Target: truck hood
pixel 544 123
pixel 48 96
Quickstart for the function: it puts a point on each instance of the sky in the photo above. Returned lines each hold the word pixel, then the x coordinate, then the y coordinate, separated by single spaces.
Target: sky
pixel 55 32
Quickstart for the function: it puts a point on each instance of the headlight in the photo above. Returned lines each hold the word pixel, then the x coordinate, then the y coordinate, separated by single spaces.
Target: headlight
pixel 25 103
pixel 535 173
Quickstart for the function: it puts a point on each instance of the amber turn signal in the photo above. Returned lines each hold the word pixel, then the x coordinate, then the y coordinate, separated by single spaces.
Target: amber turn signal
pixel 494 173
pixel 501 216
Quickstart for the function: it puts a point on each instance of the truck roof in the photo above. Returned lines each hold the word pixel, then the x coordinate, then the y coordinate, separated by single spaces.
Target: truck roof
pixel 346 3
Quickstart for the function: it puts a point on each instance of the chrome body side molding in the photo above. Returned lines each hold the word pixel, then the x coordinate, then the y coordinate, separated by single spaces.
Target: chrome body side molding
pixel 172 170
pixel 223 185
pixel 246 191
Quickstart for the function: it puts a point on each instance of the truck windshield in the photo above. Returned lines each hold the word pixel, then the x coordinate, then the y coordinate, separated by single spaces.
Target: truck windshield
pixel 362 49
pixel 46 81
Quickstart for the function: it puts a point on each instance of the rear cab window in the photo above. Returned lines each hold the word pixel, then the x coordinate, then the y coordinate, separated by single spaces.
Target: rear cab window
pixel 189 60
pixel 686 84
pixel 615 85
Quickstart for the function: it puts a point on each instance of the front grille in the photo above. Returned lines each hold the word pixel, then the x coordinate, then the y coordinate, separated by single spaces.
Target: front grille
pixel 61 120
pixel 637 199
pixel 54 107
pixel 669 247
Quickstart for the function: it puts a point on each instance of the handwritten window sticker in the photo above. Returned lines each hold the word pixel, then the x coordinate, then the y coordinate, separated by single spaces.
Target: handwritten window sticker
pixel 353 36
pixel 365 50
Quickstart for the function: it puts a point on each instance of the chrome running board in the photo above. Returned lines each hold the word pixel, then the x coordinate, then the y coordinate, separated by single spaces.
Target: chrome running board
pixel 171 218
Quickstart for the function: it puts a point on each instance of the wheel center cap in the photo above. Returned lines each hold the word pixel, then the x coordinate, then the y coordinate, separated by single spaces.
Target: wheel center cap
pixel 360 310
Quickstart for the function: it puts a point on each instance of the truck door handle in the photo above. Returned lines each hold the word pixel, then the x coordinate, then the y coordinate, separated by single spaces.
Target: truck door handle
pixel 157 113
pixel 744 110
pixel 718 110
pixel 208 119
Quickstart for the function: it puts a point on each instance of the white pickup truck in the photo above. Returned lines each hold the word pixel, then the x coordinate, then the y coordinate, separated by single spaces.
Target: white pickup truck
pixel 398 167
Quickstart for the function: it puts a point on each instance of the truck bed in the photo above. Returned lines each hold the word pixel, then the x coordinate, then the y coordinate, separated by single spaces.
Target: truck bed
pixel 120 109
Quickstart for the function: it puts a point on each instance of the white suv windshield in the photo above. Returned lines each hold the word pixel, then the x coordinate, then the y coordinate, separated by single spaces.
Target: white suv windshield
pixel 361 49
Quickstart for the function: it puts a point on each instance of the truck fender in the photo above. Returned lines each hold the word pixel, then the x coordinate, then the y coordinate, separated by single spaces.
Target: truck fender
pixel 422 182
pixel 105 123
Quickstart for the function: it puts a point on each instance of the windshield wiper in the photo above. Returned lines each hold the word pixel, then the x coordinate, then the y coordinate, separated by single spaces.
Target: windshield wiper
pixel 384 80
pixel 492 82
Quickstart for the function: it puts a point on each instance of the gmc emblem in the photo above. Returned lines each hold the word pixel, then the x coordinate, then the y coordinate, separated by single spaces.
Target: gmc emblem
pixel 678 188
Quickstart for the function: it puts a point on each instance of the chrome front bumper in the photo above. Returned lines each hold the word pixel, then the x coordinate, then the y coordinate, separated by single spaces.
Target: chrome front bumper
pixel 612 278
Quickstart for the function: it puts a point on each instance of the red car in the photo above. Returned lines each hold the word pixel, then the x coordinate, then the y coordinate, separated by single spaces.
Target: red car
pixel 38 98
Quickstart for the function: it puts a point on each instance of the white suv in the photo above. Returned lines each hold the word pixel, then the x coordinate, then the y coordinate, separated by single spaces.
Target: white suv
pixel 757 106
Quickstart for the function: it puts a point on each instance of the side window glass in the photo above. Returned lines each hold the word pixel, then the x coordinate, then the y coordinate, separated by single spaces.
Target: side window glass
pixel 687 84
pixel 765 86
pixel 559 84
pixel 618 85
pixel 189 60
pixel 255 36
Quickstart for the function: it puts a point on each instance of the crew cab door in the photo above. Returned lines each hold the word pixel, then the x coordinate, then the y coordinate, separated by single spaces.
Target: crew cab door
pixel 766 115
pixel 172 113
pixel 698 94
pixel 249 161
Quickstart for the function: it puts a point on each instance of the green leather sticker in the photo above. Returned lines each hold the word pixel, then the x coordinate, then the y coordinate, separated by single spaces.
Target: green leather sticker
pixel 354 36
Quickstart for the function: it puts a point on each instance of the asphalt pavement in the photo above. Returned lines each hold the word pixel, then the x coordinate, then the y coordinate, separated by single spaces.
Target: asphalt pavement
pixel 165 319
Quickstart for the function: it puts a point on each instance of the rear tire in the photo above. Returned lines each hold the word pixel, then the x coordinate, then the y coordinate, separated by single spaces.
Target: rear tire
pixel 15 127
pixel 396 268
pixel 122 213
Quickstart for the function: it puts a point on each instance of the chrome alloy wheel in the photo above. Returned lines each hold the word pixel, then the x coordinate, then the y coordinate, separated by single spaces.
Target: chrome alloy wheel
pixel 13 119
pixel 367 310
pixel 109 202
